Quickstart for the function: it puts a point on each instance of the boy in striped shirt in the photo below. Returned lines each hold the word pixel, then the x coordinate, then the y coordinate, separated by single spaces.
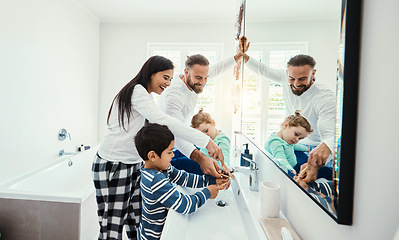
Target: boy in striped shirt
pixel 155 144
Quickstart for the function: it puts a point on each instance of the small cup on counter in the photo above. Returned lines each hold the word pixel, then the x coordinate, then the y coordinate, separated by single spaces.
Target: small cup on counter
pixel 270 200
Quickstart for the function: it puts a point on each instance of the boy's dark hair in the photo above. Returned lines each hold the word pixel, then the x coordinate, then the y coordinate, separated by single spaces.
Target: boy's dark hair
pixel 153 137
pixel 301 60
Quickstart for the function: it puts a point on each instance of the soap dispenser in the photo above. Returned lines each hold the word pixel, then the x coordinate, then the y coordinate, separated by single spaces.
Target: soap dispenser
pixel 246 154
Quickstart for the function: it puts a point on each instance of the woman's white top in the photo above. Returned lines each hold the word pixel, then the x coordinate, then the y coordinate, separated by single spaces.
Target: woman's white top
pixel 118 143
pixel 317 104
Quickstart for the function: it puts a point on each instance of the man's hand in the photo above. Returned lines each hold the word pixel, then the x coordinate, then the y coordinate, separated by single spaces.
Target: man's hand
pixel 243 46
pixel 208 165
pixel 319 155
pixel 215 151
pixel 307 173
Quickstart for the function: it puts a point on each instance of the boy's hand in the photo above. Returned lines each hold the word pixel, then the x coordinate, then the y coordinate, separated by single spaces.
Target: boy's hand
pixel 214 189
pixel 225 182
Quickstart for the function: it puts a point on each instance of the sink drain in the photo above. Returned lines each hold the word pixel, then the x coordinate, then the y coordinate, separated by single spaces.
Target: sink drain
pixel 221 203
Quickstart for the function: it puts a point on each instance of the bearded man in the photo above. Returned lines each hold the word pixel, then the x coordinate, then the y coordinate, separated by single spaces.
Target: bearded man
pixel 179 101
pixel 317 104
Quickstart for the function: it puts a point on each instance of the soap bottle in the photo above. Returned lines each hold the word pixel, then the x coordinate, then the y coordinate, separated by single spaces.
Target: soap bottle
pixel 246 154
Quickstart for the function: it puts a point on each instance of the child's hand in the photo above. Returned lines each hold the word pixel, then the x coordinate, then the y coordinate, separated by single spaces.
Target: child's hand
pixel 214 189
pixel 302 183
pixel 223 181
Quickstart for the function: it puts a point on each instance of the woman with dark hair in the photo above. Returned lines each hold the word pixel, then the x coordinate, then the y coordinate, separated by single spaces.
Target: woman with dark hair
pixel 116 169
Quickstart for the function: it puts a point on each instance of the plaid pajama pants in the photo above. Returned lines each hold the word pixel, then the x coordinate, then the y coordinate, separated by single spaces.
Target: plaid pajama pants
pixel 118 197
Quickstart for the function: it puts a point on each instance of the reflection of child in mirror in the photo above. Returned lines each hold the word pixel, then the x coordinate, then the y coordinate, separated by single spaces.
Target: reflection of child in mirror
pixel 283 143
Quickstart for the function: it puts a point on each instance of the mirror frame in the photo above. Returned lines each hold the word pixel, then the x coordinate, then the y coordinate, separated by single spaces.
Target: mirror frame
pixel 351 11
pixel 350 43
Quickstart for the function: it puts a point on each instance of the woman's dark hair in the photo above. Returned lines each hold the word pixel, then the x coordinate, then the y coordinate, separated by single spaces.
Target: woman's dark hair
pixel 153 137
pixel 153 65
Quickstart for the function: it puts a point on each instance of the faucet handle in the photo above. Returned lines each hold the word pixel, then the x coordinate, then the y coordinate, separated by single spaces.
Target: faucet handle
pixel 62 134
pixel 248 159
pixel 253 165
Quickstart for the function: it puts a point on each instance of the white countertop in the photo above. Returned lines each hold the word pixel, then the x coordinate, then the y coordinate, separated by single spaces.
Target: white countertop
pixel 238 220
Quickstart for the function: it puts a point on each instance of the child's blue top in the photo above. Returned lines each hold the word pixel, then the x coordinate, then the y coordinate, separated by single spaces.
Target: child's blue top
pixel 224 143
pixel 283 152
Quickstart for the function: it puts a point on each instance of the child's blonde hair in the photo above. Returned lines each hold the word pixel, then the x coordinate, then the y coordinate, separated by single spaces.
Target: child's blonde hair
pixel 298 120
pixel 201 117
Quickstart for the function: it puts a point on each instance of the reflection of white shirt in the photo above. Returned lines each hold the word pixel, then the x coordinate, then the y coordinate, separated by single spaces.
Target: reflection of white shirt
pixel 317 104
pixel 179 102
pixel 118 144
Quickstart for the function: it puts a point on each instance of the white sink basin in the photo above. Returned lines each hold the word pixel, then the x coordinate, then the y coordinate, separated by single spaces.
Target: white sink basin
pixel 233 221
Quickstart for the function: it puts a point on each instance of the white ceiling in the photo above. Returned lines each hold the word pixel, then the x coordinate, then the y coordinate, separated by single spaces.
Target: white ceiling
pixel 153 11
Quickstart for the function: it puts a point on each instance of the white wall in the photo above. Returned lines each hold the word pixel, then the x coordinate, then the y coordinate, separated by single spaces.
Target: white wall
pixel 123 52
pixel 49 57
pixel 375 212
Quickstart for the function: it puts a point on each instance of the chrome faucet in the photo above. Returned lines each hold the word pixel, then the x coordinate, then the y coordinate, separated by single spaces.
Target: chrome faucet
pixel 62 153
pixel 253 173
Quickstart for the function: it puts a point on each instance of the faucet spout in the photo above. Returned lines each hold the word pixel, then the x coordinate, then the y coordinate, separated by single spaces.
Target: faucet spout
pixel 62 153
pixel 252 170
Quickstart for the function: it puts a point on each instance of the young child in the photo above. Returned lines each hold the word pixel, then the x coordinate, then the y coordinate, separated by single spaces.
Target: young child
pixel 283 143
pixel 204 122
pixel 155 144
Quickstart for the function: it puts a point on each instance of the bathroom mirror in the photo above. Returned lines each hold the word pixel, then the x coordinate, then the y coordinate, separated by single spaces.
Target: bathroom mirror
pixel 328 31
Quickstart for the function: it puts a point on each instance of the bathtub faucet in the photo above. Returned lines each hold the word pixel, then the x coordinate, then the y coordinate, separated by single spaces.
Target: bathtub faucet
pixel 253 173
pixel 62 153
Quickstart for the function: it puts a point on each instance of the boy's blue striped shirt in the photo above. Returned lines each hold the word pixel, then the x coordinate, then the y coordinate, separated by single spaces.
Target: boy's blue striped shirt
pixel 159 194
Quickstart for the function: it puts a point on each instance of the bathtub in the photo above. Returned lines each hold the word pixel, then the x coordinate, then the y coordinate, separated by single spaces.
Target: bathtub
pixel 55 201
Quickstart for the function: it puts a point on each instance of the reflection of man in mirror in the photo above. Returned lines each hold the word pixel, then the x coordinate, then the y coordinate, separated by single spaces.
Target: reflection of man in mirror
pixel 316 102
pixel 179 101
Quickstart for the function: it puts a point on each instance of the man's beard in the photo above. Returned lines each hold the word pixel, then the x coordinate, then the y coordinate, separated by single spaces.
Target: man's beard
pixel 193 86
pixel 299 92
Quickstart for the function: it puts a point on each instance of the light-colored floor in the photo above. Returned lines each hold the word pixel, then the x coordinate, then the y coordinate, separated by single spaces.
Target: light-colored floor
pixel 124 236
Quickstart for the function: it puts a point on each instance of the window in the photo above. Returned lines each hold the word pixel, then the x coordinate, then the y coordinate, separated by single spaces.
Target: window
pixel 264 111
pixel 178 52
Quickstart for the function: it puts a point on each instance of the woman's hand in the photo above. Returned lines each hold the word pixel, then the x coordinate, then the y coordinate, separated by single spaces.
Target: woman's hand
pixel 208 165
pixel 215 151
